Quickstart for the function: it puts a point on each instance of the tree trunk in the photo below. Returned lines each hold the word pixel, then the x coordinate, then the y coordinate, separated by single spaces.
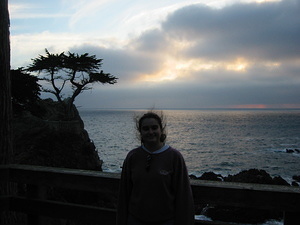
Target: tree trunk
pixel 6 146
pixel 5 89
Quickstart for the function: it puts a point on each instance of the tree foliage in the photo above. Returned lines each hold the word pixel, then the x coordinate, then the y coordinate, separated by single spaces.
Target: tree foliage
pixel 51 64
pixel 25 90
pixel 78 71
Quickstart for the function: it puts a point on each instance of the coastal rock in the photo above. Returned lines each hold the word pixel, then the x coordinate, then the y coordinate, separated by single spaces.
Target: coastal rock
pixel 278 180
pixel 208 176
pixel 296 178
pixel 255 176
pixel 296 181
pixel 292 150
pixel 241 215
pixel 45 138
pixel 193 177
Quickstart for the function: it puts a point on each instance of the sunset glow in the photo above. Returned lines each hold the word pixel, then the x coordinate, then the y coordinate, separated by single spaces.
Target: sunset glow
pixel 239 65
pixel 258 106
pixel 266 106
pixel 263 1
pixel 168 72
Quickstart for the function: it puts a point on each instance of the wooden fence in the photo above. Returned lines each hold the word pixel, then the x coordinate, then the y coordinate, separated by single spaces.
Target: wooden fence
pixel 37 180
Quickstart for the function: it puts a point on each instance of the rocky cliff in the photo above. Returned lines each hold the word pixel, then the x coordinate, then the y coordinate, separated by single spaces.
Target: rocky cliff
pixel 45 136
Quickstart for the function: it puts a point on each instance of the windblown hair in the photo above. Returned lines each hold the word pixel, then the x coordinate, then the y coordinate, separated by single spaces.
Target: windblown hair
pixel 152 115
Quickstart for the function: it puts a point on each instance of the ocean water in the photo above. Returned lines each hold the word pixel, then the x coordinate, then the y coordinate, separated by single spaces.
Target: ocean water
pixel 221 141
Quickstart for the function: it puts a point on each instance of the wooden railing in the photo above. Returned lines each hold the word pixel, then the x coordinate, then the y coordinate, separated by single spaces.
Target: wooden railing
pixel 38 180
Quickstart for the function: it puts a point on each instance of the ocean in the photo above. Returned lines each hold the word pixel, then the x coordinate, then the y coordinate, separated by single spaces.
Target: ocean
pixel 221 141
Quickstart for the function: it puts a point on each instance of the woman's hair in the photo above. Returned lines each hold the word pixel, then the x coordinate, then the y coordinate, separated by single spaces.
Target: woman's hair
pixel 152 115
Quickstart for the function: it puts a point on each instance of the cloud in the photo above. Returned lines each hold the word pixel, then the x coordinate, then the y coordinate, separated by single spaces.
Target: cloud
pixel 83 10
pixel 243 54
pixel 151 41
pixel 32 10
pixel 124 64
pixel 269 30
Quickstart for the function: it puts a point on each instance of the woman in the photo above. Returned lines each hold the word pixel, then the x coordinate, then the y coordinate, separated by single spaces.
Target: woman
pixel 154 186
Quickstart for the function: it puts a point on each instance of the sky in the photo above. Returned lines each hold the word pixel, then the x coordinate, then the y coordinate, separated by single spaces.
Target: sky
pixel 171 53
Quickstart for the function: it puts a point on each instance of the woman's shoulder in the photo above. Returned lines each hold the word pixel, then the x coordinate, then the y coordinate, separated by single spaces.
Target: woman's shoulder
pixel 174 151
pixel 133 152
pixel 177 157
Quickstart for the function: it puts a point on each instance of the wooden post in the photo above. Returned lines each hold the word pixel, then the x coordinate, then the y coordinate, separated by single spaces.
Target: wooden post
pixel 38 192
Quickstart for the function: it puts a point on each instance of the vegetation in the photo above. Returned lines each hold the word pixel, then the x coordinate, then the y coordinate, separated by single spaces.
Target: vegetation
pixel 71 69
pixel 25 90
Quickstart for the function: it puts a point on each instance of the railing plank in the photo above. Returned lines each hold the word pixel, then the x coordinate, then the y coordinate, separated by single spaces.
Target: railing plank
pixel 277 197
pixel 204 222
pixel 63 210
pixel 94 181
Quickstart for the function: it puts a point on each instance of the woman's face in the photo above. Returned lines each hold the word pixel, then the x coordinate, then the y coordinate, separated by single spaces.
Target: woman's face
pixel 150 132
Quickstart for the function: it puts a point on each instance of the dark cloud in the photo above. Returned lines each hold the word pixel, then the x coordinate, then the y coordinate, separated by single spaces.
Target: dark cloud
pixel 265 35
pixel 125 64
pixel 269 30
pixel 151 41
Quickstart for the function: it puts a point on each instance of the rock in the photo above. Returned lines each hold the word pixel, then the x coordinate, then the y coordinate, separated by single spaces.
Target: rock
pixel 211 176
pixel 207 176
pixel 296 178
pixel 296 181
pixel 255 176
pixel 278 180
pixel 193 177
pixel 241 215
pixel 289 150
pixel 45 138
pixel 250 176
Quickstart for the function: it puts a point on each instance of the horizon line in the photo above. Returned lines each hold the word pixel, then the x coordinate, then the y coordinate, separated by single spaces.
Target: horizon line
pixel 179 108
